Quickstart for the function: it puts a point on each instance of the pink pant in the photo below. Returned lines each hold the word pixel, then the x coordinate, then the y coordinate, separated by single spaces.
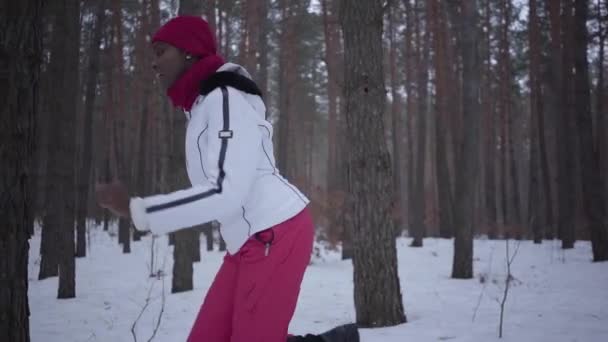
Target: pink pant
pixel 254 295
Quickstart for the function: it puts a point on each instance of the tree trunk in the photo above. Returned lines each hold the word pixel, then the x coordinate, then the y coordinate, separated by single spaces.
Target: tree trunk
pixel 61 198
pixel 19 74
pixel 566 134
pixel 287 151
pixel 602 98
pixel 262 41
pixel 124 235
pixel 208 232
pixel 195 244
pixel 397 123
pixel 467 170
pixel 182 266
pixel 87 155
pixel 442 69
pixel 49 259
pixel 416 87
pixel 489 123
pixel 222 244
pixel 535 214
pixel 592 178
pixel 369 167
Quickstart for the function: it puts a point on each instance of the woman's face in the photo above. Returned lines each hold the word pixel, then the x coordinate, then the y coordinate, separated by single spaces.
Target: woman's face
pixel 169 63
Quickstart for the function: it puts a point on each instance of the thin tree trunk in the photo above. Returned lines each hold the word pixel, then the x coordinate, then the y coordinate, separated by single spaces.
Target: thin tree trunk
pixel 287 152
pixel 182 267
pixel 208 232
pixel 535 214
pixel 49 260
pixel 566 134
pixel 441 109
pixel 263 45
pixel 602 98
pixel 124 235
pixel 504 107
pixel 489 121
pixel 87 155
pixel 61 206
pixel 399 174
pixel 467 171
pixel 19 77
pixel 416 66
pixel 369 167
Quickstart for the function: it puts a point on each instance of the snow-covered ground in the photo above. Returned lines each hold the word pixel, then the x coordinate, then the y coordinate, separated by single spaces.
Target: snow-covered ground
pixel 555 296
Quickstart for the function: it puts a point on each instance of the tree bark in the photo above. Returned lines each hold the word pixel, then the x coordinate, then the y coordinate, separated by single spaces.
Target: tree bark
pixel 489 123
pixel 369 167
pixel 422 80
pixel 61 198
pixel 182 265
pixel 20 59
pixel 124 235
pixel 87 155
pixel 535 214
pixel 400 177
pixel 592 179
pixel 467 170
pixel 49 259
pixel 287 151
pixel 566 134
pixel 442 69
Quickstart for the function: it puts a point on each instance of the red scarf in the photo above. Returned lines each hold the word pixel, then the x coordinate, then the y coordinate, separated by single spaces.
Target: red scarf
pixel 184 91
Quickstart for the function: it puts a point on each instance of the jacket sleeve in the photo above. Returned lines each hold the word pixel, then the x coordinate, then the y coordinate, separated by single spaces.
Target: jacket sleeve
pixel 232 154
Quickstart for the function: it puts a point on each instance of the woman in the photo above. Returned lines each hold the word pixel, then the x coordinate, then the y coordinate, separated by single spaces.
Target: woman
pixel 264 219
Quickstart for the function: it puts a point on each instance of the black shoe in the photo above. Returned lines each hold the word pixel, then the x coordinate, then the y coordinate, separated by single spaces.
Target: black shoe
pixel 343 333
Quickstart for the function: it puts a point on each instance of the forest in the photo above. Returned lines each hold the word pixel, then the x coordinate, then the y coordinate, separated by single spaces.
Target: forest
pixel 405 122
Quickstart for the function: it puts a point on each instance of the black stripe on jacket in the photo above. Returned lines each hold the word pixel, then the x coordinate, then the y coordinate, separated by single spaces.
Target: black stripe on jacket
pixel 225 134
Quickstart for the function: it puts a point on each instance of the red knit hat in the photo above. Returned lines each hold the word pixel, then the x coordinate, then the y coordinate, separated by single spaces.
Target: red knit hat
pixel 189 33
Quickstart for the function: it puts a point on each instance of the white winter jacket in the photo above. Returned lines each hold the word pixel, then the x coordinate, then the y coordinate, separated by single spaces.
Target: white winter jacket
pixel 231 166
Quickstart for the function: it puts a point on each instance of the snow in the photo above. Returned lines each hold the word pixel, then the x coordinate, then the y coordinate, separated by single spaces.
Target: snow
pixel 556 295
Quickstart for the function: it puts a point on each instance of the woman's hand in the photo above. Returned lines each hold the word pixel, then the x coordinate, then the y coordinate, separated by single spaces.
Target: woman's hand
pixel 114 197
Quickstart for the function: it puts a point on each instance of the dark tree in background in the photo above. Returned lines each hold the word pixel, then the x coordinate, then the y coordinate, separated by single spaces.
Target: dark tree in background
pixel 84 172
pixel 467 170
pixel 592 179
pixel 378 300
pixel 20 60
pixel 62 106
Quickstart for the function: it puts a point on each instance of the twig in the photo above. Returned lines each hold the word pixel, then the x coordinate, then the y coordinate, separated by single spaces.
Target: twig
pixel 143 309
pixel 160 314
pixel 510 260
pixel 483 288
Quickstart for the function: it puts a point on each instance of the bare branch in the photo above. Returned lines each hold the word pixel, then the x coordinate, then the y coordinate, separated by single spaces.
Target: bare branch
pixel 160 314
pixel 143 309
